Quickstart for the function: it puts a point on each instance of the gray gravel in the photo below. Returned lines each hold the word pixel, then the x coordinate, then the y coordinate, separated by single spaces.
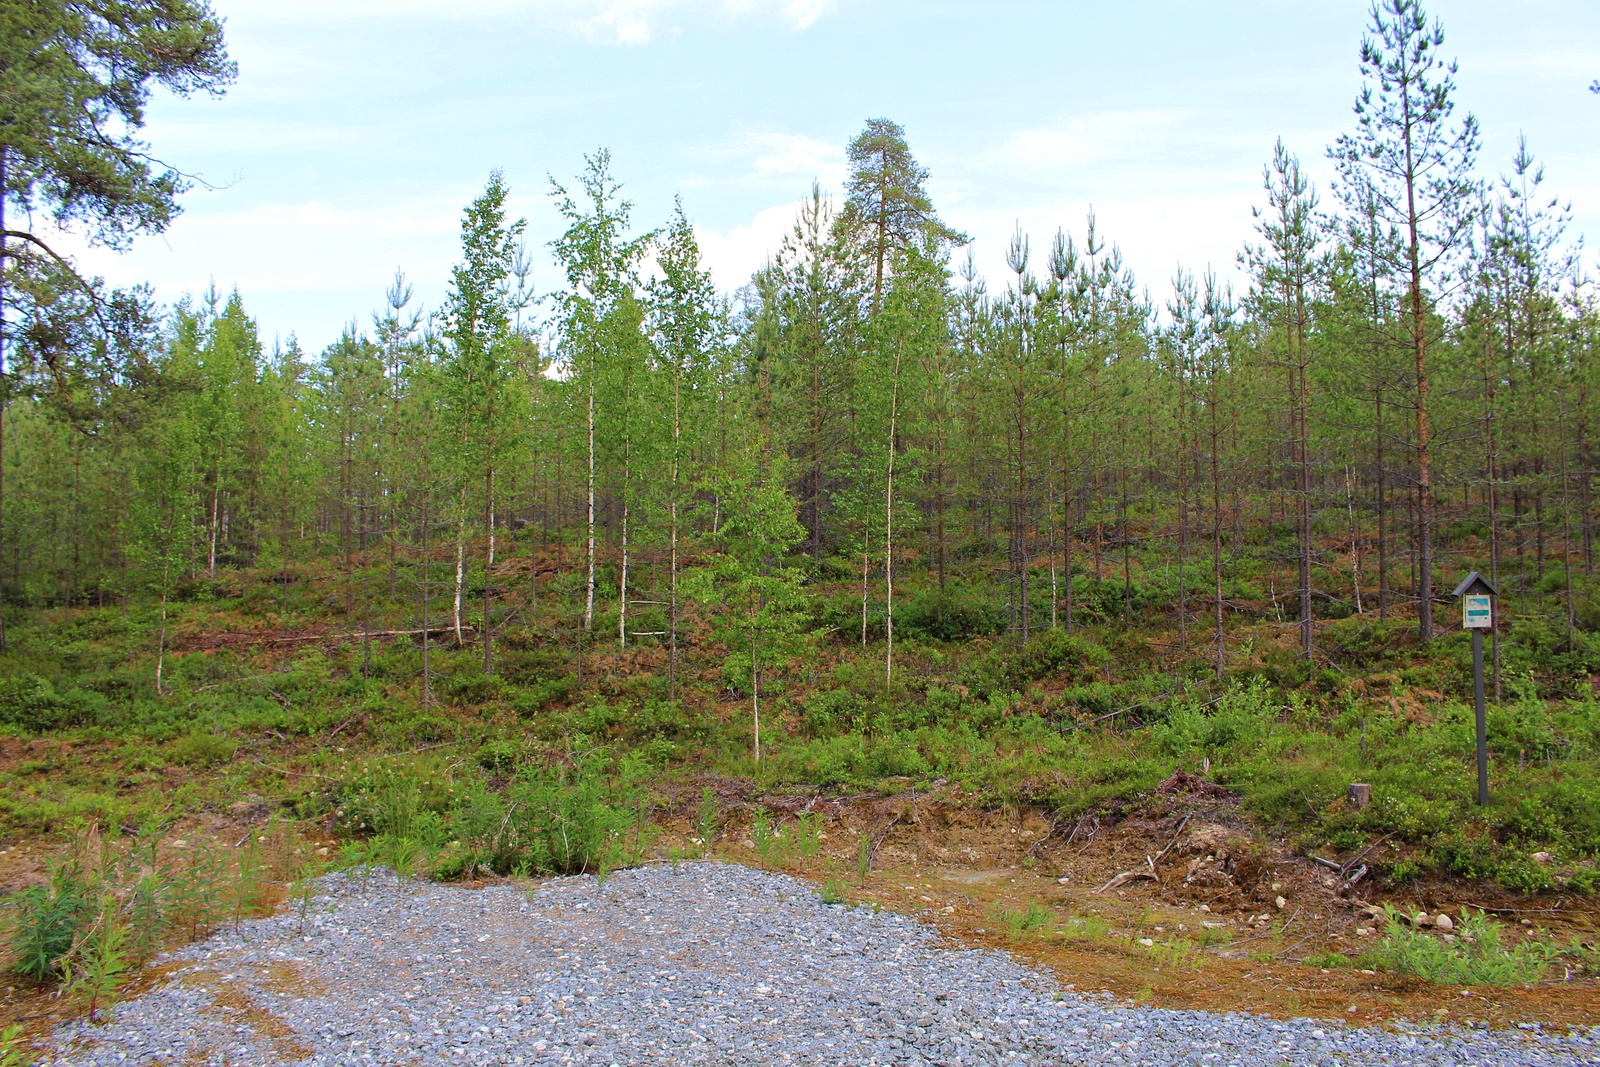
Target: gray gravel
pixel 702 963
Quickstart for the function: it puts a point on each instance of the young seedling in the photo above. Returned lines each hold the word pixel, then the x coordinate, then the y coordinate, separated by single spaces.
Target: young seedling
pixel 710 821
pixel 303 890
pixel 807 834
pixel 13 1047
pixel 147 912
pixel 100 959
pixel 762 834
pixel 402 853
pixel 245 891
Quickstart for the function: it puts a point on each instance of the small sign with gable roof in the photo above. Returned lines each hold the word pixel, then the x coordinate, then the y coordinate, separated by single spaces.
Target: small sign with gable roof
pixel 1477 604
pixel 1477 614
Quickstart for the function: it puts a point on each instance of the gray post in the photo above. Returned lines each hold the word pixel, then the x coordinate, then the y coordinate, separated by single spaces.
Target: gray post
pixel 1483 723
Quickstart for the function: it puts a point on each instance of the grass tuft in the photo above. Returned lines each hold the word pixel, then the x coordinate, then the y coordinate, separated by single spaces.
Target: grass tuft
pixel 1476 957
pixel 1023 922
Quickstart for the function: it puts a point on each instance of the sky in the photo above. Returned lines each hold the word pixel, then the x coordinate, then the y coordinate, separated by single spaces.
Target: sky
pixel 358 130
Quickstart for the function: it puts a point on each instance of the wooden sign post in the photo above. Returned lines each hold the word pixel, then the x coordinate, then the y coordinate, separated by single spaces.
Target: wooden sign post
pixel 1477 614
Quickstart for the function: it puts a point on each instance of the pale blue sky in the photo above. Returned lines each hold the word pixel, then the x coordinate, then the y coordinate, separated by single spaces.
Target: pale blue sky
pixel 359 129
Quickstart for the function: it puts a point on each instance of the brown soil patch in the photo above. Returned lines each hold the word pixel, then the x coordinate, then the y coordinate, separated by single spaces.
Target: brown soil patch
pixel 232 1001
pixel 1203 877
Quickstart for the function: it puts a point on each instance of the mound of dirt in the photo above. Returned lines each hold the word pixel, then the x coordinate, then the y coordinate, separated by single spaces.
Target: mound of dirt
pixel 1194 785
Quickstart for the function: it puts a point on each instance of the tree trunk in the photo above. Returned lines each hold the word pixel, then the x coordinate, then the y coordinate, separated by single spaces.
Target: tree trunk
pixel 427 566
pixel 1020 505
pixel 1303 473
pixel 866 540
pixel 938 497
pixel 1383 508
pixel 1183 509
pixel 816 457
pixel 1066 501
pixel 392 514
pixel 1050 526
pixel 1492 494
pixel 366 603
pixel 672 599
pixel 284 539
pixel 588 607
pixel 216 491
pixel 1522 538
pixel 1566 524
pixel 5 387
pixel 347 475
pixel 1424 439
pixel 161 641
pixel 461 566
pixel 1355 537
pixel 888 541
pixel 1127 544
pixel 488 558
pixel 1538 523
pixel 1216 520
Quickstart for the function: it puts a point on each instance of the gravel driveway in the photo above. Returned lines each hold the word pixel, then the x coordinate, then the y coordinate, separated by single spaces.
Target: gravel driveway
pixel 702 963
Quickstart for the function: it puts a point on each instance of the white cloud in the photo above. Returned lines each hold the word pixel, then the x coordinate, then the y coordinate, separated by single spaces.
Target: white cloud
pixel 288 248
pixel 794 155
pixel 766 156
pixel 636 22
pixel 1155 234
pixel 601 22
pixel 1167 186
pixel 733 256
pixel 622 22
pixel 796 14
pixel 1091 138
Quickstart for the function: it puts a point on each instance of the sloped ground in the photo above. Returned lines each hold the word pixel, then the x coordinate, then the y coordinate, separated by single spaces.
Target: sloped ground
pixel 697 963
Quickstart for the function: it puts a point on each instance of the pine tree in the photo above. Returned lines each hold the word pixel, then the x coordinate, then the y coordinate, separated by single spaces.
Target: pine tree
pixel 887 197
pixel 76 80
pixel 1285 271
pixel 1417 169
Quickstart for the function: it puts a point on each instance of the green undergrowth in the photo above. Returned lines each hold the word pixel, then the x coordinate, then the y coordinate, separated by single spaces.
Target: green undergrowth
pixel 547 764
pixel 14 1048
pixel 585 812
pixel 112 902
pixel 1477 954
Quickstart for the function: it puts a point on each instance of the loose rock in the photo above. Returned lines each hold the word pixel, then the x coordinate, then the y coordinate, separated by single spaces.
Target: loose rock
pixel 703 963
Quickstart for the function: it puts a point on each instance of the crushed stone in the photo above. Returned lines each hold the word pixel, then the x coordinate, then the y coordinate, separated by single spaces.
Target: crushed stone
pixel 700 963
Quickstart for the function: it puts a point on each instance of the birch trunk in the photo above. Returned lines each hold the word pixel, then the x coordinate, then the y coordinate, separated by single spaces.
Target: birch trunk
pixel 461 566
pixel 211 559
pixel 588 607
pixel 488 565
pixel 622 605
